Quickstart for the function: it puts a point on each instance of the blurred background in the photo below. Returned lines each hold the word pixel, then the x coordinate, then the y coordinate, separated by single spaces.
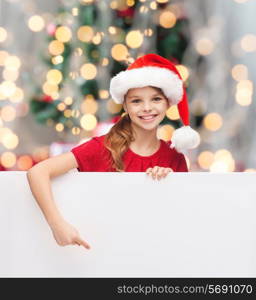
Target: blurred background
pixel 57 58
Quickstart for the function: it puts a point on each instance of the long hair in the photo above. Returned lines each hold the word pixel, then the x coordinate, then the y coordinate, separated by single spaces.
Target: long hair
pixel 118 139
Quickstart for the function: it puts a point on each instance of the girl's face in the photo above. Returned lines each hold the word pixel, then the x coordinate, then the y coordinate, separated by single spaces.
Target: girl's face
pixel 146 106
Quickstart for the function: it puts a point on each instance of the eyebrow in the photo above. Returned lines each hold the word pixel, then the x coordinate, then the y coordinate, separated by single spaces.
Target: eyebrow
pixel 158 94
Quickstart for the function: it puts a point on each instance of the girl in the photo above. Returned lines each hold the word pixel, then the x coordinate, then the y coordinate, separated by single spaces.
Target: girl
pixel 146 89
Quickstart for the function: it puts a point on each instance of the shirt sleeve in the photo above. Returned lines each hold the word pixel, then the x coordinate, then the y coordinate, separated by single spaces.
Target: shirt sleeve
pixel 182 164
pixel 85 154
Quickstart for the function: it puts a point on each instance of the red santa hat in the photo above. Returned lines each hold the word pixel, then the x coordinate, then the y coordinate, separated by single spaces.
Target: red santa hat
pixel 155 70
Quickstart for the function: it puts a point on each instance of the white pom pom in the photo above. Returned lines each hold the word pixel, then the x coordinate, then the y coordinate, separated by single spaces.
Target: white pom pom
pixel 185 138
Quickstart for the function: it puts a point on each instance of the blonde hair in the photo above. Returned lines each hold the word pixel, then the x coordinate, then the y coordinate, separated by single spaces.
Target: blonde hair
pixel 118 139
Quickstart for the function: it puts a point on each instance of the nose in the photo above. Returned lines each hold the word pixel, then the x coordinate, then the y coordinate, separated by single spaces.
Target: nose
pixel 147 106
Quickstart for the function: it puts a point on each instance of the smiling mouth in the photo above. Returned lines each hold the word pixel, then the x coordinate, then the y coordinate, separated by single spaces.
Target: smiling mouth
pixel 148 118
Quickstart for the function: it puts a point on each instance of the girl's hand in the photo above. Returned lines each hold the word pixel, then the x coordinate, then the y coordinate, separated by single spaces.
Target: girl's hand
pixel 158 172
pixel 65 234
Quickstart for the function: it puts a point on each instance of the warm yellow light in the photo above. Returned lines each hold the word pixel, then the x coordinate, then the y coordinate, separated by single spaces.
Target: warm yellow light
pixel 244 91
pixel 57 59
pixel 50 89
pixel 104 94
pixel 119 52
pixel 54 76
pixel 239 72
pixel 153 5
pixel 204 46
pixel 63 34
pixel 205 159
pixel 88 71
pixel 97 38
pixel 248 43
pixel 61 106
pixel 112 30
pixel 88 122
pixel 3 34
pixel 130 2
pixel 7 88
pixel 12 62
pixel 10 140
pixel 165 132
pixel 167 19
pixel 104 61
pixel 89 106
pixel 10 74
pixel 56 47
pixel 148 32
pixel 24 162
pixel 68 100
pixel 85 33
pixel 172 113
pixel 67 113
pixel 59 127
pixel 3 56
pixel 113 107
pixel 76 130
pixel 36 23
pixel 213 121
pixel 184 72
pixel 17 96
pixel 223 162
pixel 8 113
pixel 75 11
pixel 134 39
pixel 8 159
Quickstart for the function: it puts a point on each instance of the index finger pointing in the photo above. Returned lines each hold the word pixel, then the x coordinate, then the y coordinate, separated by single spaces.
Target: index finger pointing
pixel 81 242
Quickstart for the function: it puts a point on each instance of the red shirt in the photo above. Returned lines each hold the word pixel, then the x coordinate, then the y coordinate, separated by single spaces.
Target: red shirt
pixel 92 156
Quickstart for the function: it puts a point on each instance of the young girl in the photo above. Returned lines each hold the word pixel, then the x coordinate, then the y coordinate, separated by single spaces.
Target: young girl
pixel 146 89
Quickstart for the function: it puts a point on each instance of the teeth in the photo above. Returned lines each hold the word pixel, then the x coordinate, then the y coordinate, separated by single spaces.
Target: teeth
pixel 148 118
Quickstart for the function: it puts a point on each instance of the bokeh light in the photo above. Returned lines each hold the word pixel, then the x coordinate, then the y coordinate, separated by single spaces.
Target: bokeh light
pixel 134 39
pixel 88 71
pixel 36 23
pixel 213 121
pixel 119 52
pixel 63 34
pixel 8 159
pixel 165 132
pixel 167 19
pixel 85 33
pixel 172 113
pixel 88 122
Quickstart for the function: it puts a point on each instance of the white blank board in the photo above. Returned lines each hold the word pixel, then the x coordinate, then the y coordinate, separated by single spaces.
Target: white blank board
pixel 186 225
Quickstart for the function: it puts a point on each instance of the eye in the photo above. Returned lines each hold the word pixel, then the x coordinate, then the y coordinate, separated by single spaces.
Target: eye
pixel 136 101
pixel 157 98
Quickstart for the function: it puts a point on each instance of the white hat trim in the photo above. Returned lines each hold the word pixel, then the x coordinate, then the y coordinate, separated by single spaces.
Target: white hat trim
pixel 185 138
pixel 168 81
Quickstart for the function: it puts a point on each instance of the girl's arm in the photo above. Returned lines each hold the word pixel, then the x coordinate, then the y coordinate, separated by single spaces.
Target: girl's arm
pixel 39 177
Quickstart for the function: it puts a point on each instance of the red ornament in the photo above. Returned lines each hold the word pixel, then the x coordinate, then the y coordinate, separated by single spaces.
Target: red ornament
pixel 51 29
pixel 129 12
pixel 47 99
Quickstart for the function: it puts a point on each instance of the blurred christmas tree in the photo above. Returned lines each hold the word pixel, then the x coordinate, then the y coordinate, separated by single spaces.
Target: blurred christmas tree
pixel 88 43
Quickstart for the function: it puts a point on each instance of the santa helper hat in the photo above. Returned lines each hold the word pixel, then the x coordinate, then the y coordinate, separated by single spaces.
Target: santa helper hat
pixel 155 70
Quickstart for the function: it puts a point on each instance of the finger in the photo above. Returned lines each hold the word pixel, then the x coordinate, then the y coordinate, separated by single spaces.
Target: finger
pixel 154 172
pixel 160 173
pixel 83 243
pixel 148 171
